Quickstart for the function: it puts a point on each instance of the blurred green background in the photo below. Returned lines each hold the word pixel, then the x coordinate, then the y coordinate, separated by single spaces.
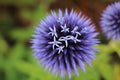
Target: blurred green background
pixel 17 21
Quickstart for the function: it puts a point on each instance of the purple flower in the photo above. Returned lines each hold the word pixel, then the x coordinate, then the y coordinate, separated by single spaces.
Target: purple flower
pixel 110 21
pixel 64 42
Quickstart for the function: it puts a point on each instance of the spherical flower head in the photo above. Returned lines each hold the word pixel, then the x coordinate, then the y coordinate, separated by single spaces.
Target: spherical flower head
pixel 64 42
pixel 110 21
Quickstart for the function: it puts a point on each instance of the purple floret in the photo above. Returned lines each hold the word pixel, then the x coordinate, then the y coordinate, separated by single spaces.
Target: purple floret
pixel 110 21
pixel 64 42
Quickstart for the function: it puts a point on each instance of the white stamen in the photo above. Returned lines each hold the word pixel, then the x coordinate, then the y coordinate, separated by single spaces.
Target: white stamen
pixel 60 49
pixel 75 39
pixel 53 31
pixel 60 20
pixel 75 30
pixel 64 28
pixel 54 43
pixel 65 39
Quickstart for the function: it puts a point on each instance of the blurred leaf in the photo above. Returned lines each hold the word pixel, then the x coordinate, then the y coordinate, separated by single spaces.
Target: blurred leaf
pixel 29 55
pixel 1 61
pixel 10 73
pixel 105 69
pixel 39 12
pixel 102 62
pixel 32 70
pixel 88 75
pixel 115 45
pixel 104 49
pixel 3 45
pixel 26 13
pixel 25 2
pixel 31 78
pixel 117 71
pixel 21 34
pixel 6 24
pixel 17 52
pixel 18 2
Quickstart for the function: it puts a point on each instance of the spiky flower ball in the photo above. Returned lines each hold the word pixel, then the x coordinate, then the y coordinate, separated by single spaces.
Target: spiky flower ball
pixel 110 21
pixel 63 42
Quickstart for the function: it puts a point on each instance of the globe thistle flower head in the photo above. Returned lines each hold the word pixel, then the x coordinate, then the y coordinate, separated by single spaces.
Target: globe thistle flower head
pixel 64 42
pixel 110 21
